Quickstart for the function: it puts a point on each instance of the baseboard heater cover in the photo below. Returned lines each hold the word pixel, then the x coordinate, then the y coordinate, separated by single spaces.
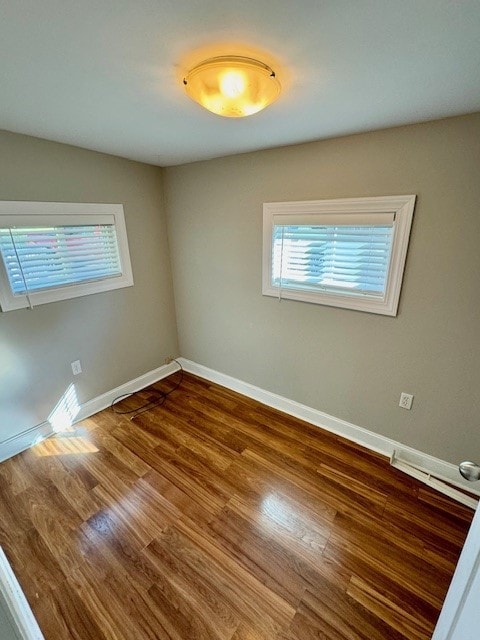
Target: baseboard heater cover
pixel 442 485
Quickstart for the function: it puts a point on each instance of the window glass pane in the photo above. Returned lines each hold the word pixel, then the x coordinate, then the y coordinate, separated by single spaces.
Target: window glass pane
pixel 345 259
pixel 42 258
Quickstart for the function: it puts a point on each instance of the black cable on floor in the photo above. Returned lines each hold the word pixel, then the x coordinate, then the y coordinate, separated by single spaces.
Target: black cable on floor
pixel 151 404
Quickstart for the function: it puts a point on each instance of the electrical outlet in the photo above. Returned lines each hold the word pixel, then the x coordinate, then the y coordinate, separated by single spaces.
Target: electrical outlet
pixel 76 367
pixel 406 400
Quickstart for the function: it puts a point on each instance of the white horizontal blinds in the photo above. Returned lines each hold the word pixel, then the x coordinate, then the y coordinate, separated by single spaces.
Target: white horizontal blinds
pixel 40 258
pixel 350 256
pixel 334 219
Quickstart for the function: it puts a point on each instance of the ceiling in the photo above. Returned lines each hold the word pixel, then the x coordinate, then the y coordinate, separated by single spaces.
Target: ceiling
pixel 106 74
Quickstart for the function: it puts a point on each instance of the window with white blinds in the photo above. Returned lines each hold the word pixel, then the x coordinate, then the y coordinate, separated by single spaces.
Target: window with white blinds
pixel 53 251
pixel 347 253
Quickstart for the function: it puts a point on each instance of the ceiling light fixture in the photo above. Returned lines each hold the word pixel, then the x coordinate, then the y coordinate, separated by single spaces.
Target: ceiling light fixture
pixel 232 86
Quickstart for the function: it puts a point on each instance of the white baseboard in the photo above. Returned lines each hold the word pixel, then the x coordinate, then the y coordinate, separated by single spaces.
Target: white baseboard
pixel 14 598
pixel 102 402
pixel 422 462
pixel 26 439
pixel 429 465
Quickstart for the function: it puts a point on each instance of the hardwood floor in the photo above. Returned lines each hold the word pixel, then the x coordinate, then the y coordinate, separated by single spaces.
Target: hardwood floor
pixel 215 517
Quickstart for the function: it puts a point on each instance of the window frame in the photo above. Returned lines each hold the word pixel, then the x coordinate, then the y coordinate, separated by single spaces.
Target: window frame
pixel 91 212
pixel 401 206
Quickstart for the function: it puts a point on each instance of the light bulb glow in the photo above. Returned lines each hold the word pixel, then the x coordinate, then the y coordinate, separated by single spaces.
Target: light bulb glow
pixel 232 86
pixel 232 83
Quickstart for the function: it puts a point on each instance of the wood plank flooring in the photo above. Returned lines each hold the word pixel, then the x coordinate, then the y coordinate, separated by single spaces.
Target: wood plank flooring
pixel 214 517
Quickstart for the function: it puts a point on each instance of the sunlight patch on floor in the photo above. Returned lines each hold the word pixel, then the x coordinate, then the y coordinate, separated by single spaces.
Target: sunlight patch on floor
pixel 61 445
pixel 68 439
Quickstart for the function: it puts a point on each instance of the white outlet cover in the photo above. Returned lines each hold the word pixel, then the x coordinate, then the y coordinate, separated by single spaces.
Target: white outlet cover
pixel 76 367
pixel 406 400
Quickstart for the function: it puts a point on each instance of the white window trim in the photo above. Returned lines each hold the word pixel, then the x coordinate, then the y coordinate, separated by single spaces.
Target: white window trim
pixel 401 206
pixel 85 211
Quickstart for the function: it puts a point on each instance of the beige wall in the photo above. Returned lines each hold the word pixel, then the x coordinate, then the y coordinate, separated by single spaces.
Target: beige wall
pixel 117 335
pixel 350 364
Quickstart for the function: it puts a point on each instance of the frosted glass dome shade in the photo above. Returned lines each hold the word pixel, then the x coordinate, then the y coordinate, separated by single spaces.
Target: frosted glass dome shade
pixel 232 86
